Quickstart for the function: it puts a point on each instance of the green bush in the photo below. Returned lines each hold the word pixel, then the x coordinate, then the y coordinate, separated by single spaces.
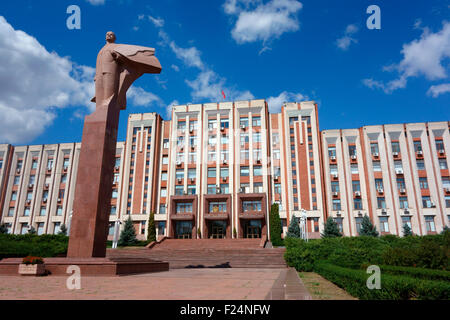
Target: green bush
pixel 392 287
pixel 351 252
pixel 30 244
pixel 421 273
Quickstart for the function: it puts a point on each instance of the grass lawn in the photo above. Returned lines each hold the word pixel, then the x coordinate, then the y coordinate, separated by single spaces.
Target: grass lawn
pixel 322 289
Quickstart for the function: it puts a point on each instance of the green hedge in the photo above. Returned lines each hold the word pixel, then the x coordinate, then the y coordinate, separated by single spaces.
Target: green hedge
pixel 392 287
pixel 421 273
pixel 24 245
pixel 430 252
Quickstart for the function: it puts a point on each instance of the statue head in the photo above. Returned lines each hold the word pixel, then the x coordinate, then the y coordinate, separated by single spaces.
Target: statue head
pixel 110 37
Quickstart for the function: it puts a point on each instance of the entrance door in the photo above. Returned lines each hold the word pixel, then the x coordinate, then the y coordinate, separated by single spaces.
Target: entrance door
pixel 218 229
pixel 183 230
pixel 252 229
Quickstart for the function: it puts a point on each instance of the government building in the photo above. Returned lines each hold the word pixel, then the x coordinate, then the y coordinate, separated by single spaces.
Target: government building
pixel 215 169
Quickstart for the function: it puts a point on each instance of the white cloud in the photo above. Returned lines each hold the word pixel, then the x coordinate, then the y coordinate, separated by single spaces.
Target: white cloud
pixel 421 57
pixel 347 39
pixel 175 67
pixel 190 56
pixel 96 2
pixel 169 109
pixel 34 83
pixel 208 85
pixel 437 90
pixel 258 21
pixel 275 103
pixel 158 22
pixel 140 98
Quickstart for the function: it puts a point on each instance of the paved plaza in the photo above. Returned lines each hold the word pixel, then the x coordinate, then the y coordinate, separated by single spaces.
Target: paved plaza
pixel 176 284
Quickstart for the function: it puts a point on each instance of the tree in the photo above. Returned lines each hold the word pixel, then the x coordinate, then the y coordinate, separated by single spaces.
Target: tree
pixel 275 226
pixel 331 229
pixel 367 228
pixel 63 229
pixel 294 229
pixel 128 234
pixel 407 230
pixel 151 234
pixel 3 228
pixel 444 230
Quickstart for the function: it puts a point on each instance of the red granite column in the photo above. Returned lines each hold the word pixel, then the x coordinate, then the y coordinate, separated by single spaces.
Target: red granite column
pixel 89 227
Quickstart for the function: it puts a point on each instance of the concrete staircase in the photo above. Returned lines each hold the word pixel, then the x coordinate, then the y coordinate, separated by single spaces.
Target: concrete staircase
pixel 209 253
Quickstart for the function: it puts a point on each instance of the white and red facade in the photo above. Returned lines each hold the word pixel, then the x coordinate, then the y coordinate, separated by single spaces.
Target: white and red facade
pixel 215 169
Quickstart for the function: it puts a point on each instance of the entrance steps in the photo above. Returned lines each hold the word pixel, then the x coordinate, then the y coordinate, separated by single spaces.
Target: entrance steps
pixel 209 253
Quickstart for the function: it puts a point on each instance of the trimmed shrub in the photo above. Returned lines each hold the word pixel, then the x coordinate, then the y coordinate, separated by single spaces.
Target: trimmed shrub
pixel 45 245
pixel 275 226
pixel 422 273
pixel 151 236
pixel 392 287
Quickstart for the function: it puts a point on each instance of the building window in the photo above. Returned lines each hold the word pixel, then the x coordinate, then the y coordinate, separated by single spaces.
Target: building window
pixel 256 121
pixel 223 172
pixel 334 186
pixel 224 188
pixel 339 224
pixel 420 164
pixel 245 171
pixel 292 119
pixel 426 202
pixel 161 228
pixel 439 145
pixel 184 207
pixel 447 201
pixel 429 222
pixel 43 211
pixel 381 203
pixel 34 164
pixel 217 207
pixel 423 182
pixel 251 205
pixel 179 174
pixel 336 204
pixel 163 192
pixel 59 211
pixel 26 212
pixel 332 152
pixel 401 184
pixel 384 225
pixel 379 185
pixel 277 188
pixel 257 171
pixel 164 176
pixel 212 123
pixel 114 194
pixel 179 190
pixel 113 210
pixel 407 221
pixel 356 186
pixel 376 166
pixel 403 202
pixel 256 137
pixel 374 148
pixel 162 209
pixel 258 187
pixel 24 228
pixel 165 160
pixel 352 150
pixel 357 202
pixel 56 227
pixel 446 182
pixel 417 146
pixel 333 169
pixel 243 122
pixel 16 180
pixel 358 222
pixel 181 125
pixel 14 196
pixel 395 147
pixel 191 189
pixel 211 172
pixel 40 228
pixel 443 164
pixel 211 189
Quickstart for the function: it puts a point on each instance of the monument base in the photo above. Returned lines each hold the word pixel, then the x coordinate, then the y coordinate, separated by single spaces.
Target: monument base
pixel 90 266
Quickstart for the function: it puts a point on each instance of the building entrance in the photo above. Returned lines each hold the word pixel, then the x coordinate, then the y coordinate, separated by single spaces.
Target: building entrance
pixel 252 229
pixel 183 230
pixel 217 229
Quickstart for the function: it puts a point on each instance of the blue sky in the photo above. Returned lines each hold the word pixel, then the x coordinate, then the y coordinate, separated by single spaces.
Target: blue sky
pixel 279 50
